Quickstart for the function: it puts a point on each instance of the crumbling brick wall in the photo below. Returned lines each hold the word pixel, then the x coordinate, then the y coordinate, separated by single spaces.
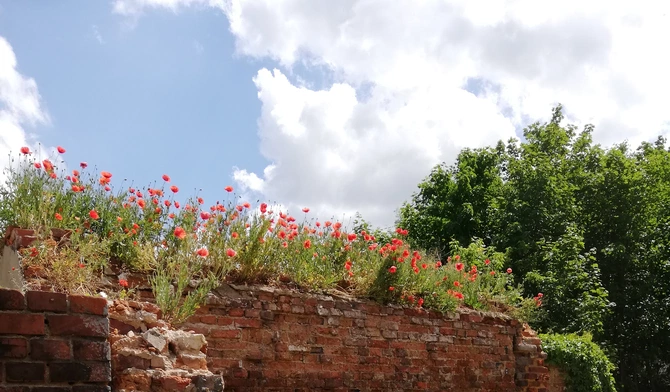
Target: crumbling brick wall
pixel 53 340
pixel 264 339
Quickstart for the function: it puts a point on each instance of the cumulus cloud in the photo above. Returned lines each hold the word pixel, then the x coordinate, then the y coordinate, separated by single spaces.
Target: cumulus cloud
pixel 418 81
pixel 19 106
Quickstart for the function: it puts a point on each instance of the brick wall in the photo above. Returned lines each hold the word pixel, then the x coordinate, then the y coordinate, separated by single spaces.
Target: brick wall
pixel 53 342
pixel 278 340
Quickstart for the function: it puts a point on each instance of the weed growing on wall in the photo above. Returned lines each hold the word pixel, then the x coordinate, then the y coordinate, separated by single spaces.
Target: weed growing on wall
pixel 190 246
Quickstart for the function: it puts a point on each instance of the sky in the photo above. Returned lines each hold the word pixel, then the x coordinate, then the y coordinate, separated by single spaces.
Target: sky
pixel 340 106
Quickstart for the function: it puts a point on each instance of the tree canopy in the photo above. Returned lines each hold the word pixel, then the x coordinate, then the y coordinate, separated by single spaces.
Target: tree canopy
pixel 585 225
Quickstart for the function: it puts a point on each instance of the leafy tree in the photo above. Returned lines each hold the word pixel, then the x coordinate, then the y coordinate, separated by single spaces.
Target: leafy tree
pixel 586 226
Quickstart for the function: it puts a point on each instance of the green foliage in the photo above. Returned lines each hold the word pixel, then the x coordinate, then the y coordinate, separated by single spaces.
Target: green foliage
pixel 585 365
pixel 584 225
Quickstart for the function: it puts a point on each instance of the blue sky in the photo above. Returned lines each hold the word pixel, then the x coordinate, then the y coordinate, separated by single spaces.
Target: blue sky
pixel 342 106
pixel 166 96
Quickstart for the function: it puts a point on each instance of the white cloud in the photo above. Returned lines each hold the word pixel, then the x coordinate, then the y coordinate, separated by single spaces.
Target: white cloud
pixel 97 35
pixel 137 7
pixel 19 106
pixel 335 151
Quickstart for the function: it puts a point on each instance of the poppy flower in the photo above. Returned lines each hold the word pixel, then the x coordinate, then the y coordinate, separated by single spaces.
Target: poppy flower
pixel 419 302
pixel 457 283
pixel 83 165
pixel 141 203
pixel 509 270
pixel 205 215
pixel 459 266
pixel 94 214
pixel 107 188
pixel 174 189
pixel 60 149
pixel 38 165
pixel 393 269
pixel 58 216
pixel 305 210
pixel 284 244
pixel 203 252
pixel 234 234
pixel 351 237
pixel 246 205
pixel 492 273
pixel 48 166
pixel 106 174
pixel 307 244
pixel 231 253
pixel 264 208
pixel 228 188
pixel 487 261
pixel 166 178
pixel 123 283
pixel 25 150
pixel 391 288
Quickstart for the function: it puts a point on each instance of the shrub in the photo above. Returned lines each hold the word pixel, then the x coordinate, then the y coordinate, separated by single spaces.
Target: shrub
pixel 585 365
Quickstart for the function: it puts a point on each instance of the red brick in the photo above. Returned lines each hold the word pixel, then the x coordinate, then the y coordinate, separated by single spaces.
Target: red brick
pixel 24 372
pixel 78 325
pixel 86 350
pixel 89 305
pixel 44 301
pixel 13 348
pixel 11 300
pixel 49 349
pixel 21 324
pixel 79 372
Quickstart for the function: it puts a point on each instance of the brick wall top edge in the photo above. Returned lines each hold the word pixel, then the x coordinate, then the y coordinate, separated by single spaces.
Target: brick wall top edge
pixel 248 293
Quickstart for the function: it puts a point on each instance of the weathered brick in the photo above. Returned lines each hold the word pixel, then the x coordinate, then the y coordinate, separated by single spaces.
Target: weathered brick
pixel 79 372
pixel 24 371
pixel 13 348
pixel 11 300
pixel 78 325
pixel 49 349
pixel 44 301
pixel 85 350
pixel 50 389
pixel 22 324
pixel 88 305
pixel 91 388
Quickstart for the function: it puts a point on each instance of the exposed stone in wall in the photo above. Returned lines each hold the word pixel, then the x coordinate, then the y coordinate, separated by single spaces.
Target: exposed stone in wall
pixel 149 356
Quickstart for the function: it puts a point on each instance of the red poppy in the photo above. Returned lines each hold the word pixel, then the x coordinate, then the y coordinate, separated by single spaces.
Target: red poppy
pixel 492 273
pixel 106 174
pixel 231 253
pixel 351 237
pixel 393 269
pixel 123 283
pixel 52 175
pixel 391 288
pixel 487 261
pixel 25 150
pixel 459 266
pixel 107 188
pixel 48 166
pixel 419 302
pixel 264 208
pixel 60 149
pixel 94 214
pixel 174 189
pixel 38 165
pixel 307 244
pixel 203 252
pixel 228 188
pixel 457 283
pixel 246 205
pixel 58 216
pixel 509 270
pixel 284 244
pixel 83 165
pixel 166 178
pixel 458 295
pixel 205 215
pixel 305 210
pixel 141 203
pixel 234 234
